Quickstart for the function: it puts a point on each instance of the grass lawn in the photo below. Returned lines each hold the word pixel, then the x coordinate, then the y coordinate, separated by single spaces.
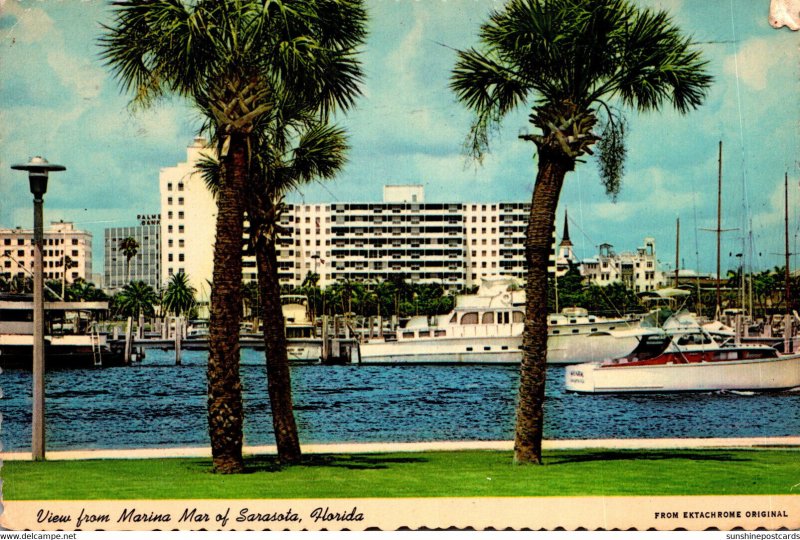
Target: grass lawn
pixel 426 474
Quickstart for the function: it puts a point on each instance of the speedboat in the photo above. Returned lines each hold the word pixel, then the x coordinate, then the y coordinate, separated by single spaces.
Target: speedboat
pixel 687 362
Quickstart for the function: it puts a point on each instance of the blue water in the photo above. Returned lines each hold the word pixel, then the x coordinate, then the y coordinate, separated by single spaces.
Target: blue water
pixel 158 404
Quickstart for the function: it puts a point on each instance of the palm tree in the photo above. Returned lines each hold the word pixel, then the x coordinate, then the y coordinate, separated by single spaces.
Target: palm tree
pixel 296 149
pixel 570 61
pixel 136 298
pixel 318 154
pixel 129 247
pixel 179 296
pixel 231 58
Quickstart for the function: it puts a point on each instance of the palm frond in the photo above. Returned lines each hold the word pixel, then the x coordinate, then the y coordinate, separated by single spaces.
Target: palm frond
pixel 567 57
pixel 320 153
pixel 211 172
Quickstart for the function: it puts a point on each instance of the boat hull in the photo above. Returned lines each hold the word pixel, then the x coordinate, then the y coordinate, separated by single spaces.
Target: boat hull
pixel 497 350
pixel 563 350
pixel 779 373
pixel 304 350
pixel 21 357
pixel 575 349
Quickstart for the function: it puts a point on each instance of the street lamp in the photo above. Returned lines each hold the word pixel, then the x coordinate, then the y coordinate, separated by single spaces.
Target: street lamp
pixel 38 170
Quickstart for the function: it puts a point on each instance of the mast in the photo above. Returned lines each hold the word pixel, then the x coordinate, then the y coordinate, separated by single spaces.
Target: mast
pixel 787 339
pixel 677 250
pixel 719 226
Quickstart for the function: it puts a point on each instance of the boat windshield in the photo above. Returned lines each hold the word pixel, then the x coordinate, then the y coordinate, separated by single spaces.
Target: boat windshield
pixel 650 346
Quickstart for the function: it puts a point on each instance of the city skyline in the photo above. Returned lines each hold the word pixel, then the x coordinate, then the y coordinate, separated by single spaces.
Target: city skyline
pixel 408 129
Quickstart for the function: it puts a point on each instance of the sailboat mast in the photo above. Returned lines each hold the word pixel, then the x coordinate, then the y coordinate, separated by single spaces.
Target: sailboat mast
pixel 719 227
pixel 787 274
pixel 677 250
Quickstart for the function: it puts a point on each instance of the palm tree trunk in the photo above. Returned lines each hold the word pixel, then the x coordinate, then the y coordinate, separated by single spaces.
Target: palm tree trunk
pixel 279 383
pixel 538 244
pixel 225 410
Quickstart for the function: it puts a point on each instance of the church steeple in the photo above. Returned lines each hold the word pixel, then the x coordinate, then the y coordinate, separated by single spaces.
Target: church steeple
pixel 565 241
pixel 565 253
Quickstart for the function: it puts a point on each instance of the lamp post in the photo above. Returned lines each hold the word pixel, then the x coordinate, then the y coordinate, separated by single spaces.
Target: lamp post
pixel 38 170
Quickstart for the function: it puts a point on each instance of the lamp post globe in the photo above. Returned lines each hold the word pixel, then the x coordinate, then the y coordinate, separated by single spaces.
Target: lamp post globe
pixel 38 172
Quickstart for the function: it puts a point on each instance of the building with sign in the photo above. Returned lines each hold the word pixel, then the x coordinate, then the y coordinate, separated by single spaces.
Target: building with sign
pixel 145 262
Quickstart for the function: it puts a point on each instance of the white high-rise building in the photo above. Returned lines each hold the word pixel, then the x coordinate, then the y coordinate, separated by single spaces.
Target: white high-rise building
pixel 188 221
pixel 455 244
pixel 62 243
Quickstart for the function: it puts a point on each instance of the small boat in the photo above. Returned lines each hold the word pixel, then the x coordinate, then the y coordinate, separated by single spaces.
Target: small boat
pixel 687 362
pixel 71 339
pixel 197 329
pixel 302 343
pixel 487 327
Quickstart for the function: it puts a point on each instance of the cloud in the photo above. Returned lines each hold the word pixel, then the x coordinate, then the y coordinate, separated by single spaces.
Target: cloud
pixel 30 24
pixel 771 216
pixel 77 74
pixel 755 60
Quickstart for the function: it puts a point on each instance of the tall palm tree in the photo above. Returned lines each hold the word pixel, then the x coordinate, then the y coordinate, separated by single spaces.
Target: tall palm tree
pixel 231 58
pixel 179 296
pixel 318 153
pixel 135 299
pixel 572 62
pixel 129 248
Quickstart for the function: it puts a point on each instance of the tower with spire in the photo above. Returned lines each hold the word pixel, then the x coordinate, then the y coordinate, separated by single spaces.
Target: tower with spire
pixel 565 253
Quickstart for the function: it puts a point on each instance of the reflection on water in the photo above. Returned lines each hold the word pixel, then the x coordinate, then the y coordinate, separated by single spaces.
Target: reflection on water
pixel 158 404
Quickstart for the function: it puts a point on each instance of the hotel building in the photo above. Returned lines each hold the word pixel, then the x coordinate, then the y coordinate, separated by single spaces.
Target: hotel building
pixel 188 221
pixel 454 244
pixel 145 265
pixel 62 243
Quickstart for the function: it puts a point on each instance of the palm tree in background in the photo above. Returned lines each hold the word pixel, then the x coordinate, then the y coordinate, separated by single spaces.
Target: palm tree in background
pixel 179 295
pixel 81 290
pixel 232 59
pixel 129 248
pixel 572 62
pixel 135 299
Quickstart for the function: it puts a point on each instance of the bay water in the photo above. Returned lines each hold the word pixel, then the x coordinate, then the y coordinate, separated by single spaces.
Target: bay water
pixel 157 404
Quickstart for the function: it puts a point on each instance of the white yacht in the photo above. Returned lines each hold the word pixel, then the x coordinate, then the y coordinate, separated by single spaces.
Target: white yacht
pixel 302 343
pixel 487 328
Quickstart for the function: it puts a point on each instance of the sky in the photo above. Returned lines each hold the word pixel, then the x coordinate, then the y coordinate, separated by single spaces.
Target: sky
pixel 57 100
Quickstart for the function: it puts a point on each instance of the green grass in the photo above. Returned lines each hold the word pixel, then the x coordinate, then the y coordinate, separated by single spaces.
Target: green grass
pixel 428 474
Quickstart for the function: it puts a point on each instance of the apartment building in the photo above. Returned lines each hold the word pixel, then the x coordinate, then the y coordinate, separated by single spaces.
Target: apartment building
pixel 637 269
pixel 451 243
pixel 64 245
pixel 145 265
pixel 403 236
